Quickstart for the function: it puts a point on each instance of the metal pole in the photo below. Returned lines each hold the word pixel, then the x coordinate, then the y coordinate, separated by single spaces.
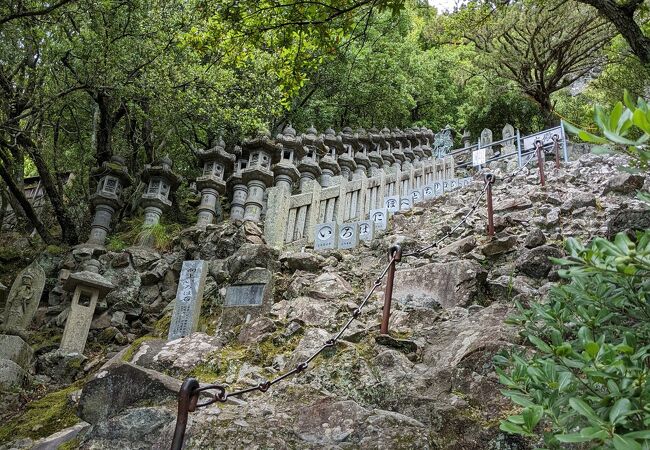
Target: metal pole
pixel 564 148
pixel 540 161
pixel 519 161
pixel 556 148
pixel 394 255
pixel 489 180
pixel 186 402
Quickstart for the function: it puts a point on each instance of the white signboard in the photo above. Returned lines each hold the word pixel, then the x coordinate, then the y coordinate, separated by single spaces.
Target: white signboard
pixel 325 236
pixel 478 157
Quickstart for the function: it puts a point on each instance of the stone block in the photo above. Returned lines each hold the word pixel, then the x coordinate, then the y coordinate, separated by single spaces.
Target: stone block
pixel 380 218
pixel 348 235
pixel 187 308
pixel 391 203
pixel 11 375
pixel 15 349
pixel 405 203
pixel 366 230
pixel 325 236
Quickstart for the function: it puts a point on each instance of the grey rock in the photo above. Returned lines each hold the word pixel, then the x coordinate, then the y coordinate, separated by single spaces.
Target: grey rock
pixel 329 286
pixel 120 386
pixel 138 428
pixel 578 200
pixel 310 262
pixel 11 375
pixel 624 183
pixel 403 345
pixel 535 238
pixel 253 255
pixel 511 204
pixel 64 368
pixel 54 441
pixel 535 263
pixel 185 353
pixel 256 331
pixel 15 349
pixel 456 283
pixel 459 247
pixel 143 257
pixel 506 287
pixel 499 245
pixel 341 417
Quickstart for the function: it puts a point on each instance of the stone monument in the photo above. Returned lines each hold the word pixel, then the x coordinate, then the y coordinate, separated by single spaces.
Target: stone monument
pixel 23 299
pixel 161 181
pixel 486 140
pixel 217 163
pixel 508 146
pixel 189 296
pixel 88 286
pixel 257 175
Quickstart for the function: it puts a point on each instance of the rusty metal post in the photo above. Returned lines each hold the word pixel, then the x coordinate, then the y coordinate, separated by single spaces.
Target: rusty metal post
pixel 556 148
pixel 394 255
pixel 187 399
pixel 489 180
pixel 540 161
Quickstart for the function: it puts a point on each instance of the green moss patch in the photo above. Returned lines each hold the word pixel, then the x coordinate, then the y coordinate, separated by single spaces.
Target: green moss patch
pixel 135 346
pixel 43 417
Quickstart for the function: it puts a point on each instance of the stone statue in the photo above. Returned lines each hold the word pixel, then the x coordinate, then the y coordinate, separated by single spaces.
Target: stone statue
pixel 23 298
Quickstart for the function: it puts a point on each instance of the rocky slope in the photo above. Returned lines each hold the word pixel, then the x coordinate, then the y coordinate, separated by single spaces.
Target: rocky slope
pixel 430 384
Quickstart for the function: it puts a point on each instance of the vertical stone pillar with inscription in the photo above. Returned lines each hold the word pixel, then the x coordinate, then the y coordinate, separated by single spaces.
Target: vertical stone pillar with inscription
pixel 189 296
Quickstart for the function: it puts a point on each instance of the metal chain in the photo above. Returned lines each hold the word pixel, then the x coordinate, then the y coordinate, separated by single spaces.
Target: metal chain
pixel 221 395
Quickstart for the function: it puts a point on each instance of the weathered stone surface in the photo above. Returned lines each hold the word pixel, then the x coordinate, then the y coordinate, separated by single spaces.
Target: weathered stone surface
pixel 15 349
pixel 64 368
pixel 506 287
pixel 535 263
pixel 459 247
pixel 535 238
pixel 189 297
pixel 403 345
pixel 512 204
pixel 253 255
pixel 329 286
pixel 11 375
pixel 624 183
pixel 457 283
pixel 578 200
pixel 54 441
pixel 137 429
pixel 23 298
pixel 629 220
pixel 186 352
pixel 143 257
pixel 120 386
pixel 500 244
pixel 329 422
pixel 256 331
pixel 302 261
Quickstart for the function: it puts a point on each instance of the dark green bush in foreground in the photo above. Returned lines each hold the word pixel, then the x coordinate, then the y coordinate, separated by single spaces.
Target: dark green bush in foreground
pixel 586 383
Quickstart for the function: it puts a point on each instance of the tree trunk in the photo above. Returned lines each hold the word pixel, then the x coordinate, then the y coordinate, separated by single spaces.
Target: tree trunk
pixel 104 131
pixel 19 196
pixel 622 17
pixel 68 229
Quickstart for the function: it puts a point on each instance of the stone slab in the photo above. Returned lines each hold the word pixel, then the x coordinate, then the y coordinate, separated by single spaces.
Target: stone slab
pixel 438 188
pixel 391 203
pixel 325 236
pixel 416 196
pixel 366 230
pixel 405 203
pixel 15 349
pixel 189 296
pixel 379 218
pixel 428 192
pixel 245 295
pixel 348 235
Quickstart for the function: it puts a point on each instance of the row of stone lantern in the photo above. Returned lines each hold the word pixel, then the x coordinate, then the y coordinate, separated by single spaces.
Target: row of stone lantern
pixel 245 173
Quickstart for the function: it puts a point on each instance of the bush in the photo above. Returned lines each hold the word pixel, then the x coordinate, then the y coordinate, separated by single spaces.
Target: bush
pixel 587 379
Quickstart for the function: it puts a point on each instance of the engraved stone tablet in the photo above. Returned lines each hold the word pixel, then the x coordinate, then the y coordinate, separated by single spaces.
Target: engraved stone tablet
pixel 245 295
pixel 454 183
pixel 392 203
pixel 325 237
pixel 416 196
pixel 379 218
pixel 438 188
pixel 428 192
pixel 405 203
pixel 189 296
pixel 446 186
pixel 348 235
pixel 366 230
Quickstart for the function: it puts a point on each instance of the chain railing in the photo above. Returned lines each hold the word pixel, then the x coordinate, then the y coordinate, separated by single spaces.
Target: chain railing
pixel 191 390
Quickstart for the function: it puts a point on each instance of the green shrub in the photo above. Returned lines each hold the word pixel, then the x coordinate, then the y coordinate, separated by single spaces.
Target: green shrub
pixel 587 379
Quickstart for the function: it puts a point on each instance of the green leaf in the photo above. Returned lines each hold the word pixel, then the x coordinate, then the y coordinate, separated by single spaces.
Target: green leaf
pixel 592 349
pixel 573 437
pixel 624 443
pixel 510 427
pixel 621 408
pixel 532 416
pixel 564 380
pixel 537 342
pixel 584 409
pixel 645 434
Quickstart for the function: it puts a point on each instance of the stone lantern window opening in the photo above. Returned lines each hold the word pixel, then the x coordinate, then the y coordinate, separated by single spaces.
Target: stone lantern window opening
pixel 164 189
pixel 109 185
pixel 265 160
pixel 287 155
pixel 154 186
pixel 85 298
pixel 255 156
pixel 208 168
pixel 241 165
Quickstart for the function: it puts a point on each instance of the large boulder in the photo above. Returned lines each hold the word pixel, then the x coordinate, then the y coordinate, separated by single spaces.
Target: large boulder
pixel 123 385
pixel 629 220
pixel 15 349
pixel 624 183
pixel 11 375
pixel 253 255
pixel 536 263
pixel 456 283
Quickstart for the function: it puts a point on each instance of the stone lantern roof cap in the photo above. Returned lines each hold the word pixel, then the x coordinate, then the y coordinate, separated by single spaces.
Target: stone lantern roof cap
pixel 90 280
pixel 161 168
pixel 115 167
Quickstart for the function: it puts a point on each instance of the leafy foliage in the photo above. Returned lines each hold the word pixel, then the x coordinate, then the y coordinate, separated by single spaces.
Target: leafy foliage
pixel 587 378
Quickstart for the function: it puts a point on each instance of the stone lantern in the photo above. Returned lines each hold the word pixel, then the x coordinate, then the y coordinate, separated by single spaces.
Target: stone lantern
pixel 88 286
pixel 161 182
pixel 236 185
pixel 346 156
pixel 397 152
pixel 406 148
pixel 308 166
pixel 257 175
pixel 427 136
pixel 376 161
pixel 113 178
pixel 410 145
pixel 417 148
pixel 285 171
pixel 328 165
pixel 386 152
pixel 217 162
pixel 361 144
pixel 467 139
